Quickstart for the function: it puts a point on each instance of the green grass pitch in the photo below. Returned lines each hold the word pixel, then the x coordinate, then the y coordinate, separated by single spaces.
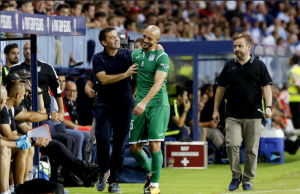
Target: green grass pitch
pixel 270 178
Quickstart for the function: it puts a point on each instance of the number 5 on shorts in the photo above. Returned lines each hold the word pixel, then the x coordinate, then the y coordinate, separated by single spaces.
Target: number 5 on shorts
pixel 131 125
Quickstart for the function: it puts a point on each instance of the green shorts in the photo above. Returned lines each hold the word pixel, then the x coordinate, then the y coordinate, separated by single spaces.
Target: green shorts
pixel 150 126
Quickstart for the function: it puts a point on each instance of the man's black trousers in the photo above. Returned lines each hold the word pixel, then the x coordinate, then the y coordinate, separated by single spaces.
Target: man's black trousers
pixel 295 110
pixel 112 118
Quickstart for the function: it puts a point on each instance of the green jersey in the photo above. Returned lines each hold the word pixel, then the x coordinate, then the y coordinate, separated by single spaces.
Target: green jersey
pixel 156 60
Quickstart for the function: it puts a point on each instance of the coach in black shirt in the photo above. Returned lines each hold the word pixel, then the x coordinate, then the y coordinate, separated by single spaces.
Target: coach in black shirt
pixel 245 77
pixel 114 105
pixel 46 78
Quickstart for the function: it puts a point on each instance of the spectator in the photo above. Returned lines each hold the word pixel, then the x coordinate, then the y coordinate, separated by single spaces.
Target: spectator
pixel 284 14
pixel 291 41
pixel 250 12
pixel 130 25
pixel 25 7
pixel 256 32
pixel 151 19
pixel 5 7
pixel 209 35
pixel 271 39
pixel 122 17
pixel 113 21
pixel 101 18
pixel 277 26
pixel 218 33
pixel 89 13
pixel 75 8
pixel 49 7
pixel 263 15
pixel 138 43
pixel 63 10
pixel 237 13
pixel 134 15
pixel 227 33
pixel 12 5
pixel 39 7
pixel 279 42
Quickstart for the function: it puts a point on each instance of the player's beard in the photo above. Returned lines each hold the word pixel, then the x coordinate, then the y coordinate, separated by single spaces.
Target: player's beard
pixel 149 45
pixel 15 61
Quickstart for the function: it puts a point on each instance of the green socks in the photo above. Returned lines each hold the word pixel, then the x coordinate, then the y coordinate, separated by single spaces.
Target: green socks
pixel 157 161
pixel 142 159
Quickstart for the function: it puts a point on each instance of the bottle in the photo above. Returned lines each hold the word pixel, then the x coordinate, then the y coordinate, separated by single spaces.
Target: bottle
pixel 268 123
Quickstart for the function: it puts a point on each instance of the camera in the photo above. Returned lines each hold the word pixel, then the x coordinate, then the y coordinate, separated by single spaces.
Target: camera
pixel 125 41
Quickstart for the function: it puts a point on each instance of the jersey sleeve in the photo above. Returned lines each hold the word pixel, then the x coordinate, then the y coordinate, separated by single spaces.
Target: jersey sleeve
pixel 264 75
pixel 4 116
pixel 97 64
pixel 223 80
pixel 17 110
pixel 163 63
pixel 54 83
pixel 133 56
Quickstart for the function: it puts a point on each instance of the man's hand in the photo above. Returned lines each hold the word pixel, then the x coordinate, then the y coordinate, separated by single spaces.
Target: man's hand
pixel 56 116
pixel 212 124
pixel 41 142
pixel 131 70
pixel 139 109
pixel 216 117
pixel 92 94
pixel 23 143
pixel 269 113
pixel 187 105
pixel 158 47
pixel 200 106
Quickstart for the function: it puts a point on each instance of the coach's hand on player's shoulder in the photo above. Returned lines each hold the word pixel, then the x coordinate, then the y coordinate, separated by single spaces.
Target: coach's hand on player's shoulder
pixel 56 116
pixel 131 70
pixel 158 47
pixel 216 117
pixel 139 109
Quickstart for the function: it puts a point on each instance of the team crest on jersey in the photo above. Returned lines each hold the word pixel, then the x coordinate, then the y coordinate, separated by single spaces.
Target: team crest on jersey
pixel 151 58
pixel 166 66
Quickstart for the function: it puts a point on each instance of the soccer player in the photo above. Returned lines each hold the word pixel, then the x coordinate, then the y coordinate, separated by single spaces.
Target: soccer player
pixel 152 110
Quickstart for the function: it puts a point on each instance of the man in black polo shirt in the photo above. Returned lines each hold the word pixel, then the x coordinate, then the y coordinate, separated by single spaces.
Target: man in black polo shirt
pixel 245 77
pixel 46 77
pixel 114 105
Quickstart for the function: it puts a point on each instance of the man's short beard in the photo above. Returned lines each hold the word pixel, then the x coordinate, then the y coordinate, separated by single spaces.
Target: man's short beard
pixel 12 62
pixel 28 60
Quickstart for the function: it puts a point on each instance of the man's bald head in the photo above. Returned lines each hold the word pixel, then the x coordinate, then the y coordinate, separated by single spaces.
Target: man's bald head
pixel 70 92
pixel 150 37
pixel 16 92
pixel 155 30
pixel 3 96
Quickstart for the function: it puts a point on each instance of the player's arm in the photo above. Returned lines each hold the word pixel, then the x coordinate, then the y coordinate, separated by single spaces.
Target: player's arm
pixel 6 131
pixel 24 127
pixel 41 101
pixel 31 116
pixel 8 143
pixel 70 124
pixel 179 120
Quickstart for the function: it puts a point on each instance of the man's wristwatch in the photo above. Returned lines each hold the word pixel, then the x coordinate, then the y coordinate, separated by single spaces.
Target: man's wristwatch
pixel 40 92
pixel 49 116
pixel 33 139
pixel 270 107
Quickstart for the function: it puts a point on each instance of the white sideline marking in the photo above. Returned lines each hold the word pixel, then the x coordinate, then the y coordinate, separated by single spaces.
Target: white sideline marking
pixel 271 191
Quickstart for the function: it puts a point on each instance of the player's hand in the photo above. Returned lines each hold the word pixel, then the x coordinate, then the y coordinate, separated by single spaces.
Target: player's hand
pixel 41 142
pixel 187 105
pixel 269 113
pixel 216 117
pixel 158 47
pixel 212 124
pixel 131 70
pixel 56 116
pixel 139 109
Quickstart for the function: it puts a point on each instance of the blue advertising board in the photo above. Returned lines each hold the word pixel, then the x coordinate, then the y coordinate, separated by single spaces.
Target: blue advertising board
pixel 42 24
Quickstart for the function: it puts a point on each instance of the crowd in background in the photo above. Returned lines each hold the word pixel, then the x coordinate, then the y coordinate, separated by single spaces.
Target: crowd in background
pixel 267 22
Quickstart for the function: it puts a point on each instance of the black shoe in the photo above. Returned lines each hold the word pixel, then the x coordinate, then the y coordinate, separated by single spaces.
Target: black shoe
pixel 72 181
pixel 56 174
pixel 147 184
pixel 89 167
pixel 88 179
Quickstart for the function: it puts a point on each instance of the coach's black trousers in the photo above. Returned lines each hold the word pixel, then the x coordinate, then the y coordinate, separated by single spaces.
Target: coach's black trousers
pixel 116 118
